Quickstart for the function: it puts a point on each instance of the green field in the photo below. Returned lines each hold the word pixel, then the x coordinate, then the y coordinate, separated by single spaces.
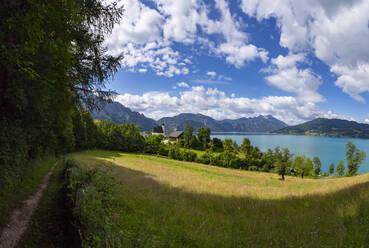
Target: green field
pixel 168 203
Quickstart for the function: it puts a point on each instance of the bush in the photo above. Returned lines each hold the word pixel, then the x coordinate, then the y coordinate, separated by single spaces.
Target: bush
pixel 175 153
pixel 153 143
pixel 266 168
pixel 216 160
pixel 189 156
pixel 236 163
pixel 91 194
pixel 163 150
pixel 204 159
pixel 253 168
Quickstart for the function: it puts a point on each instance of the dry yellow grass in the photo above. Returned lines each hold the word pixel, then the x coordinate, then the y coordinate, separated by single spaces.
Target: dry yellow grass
pixel 168 203
pixel 202 178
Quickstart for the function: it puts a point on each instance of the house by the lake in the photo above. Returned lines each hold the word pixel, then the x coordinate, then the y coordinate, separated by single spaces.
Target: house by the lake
pixel 158 130
pixel 176 135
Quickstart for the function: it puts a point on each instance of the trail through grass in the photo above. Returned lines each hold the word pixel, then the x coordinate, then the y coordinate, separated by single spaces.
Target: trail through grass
pixel 167 203
pixel 50 224
pixel 19 188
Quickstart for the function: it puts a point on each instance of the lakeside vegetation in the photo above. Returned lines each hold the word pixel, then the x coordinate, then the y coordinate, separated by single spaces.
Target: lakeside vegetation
pixel 228 154
pixel 165 203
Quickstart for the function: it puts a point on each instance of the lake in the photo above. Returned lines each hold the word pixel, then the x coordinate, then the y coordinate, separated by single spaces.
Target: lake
pixel 328 149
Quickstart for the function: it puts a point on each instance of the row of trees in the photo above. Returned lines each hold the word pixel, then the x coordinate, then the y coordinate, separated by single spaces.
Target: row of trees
pixel 201 142
pixel 52 59
pixel 303 166
pixel 106 134
pixel 228 154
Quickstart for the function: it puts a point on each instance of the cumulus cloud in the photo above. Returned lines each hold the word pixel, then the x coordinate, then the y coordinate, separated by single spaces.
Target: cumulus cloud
pixel 366 121
pixel 353 81
pixel 335 31
pixel 235 48
pixel 146 35
pixel 217 104
pixel 183 85
pixel 285 74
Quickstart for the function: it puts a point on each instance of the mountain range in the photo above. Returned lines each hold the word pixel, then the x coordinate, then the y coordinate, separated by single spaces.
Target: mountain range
pixel 255 124
pixel 329 127
pixel 118 113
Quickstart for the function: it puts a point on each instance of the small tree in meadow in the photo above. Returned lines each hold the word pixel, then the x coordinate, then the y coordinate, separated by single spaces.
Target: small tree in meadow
pixel 203 134
pixel 246 147
pixel 340 168
pixel 309 167
pixel 354 158
pixel 281 168
pixel 282 161
pixel 228 145
pixel 331 169
pixel 187 135
pixel 299 164
pixel 317 166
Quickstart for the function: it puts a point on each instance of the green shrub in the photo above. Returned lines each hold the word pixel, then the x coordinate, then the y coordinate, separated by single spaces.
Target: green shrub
pixel 205 158
pixel 163 150
pixel 253 168
pixel 94 205
pixel 175 153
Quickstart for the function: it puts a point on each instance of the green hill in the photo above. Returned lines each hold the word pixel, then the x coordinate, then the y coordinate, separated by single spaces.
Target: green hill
pixel 159 202
pixel 329 127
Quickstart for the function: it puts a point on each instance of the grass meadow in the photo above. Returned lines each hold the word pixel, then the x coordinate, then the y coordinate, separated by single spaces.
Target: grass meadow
pixel 168 203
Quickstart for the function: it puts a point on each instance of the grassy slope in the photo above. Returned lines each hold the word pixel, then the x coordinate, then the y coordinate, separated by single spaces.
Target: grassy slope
pixel 178 204
pixel 22 187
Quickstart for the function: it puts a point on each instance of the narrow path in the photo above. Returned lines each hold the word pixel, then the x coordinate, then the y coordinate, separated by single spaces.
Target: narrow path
pixel 19 219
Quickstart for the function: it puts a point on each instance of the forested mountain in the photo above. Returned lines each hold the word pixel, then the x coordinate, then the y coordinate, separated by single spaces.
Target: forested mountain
pixel 255 124
pixel 119 114
pixel 329 127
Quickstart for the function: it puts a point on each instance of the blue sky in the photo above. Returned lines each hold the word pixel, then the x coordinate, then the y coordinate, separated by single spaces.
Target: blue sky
pixel 296 60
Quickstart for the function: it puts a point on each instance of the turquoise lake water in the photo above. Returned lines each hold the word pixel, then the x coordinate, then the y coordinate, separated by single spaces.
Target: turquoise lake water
pixel 329 150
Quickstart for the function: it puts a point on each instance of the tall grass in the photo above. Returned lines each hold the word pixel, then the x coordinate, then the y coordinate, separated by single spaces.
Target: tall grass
pixel 167 203
pixel 19 183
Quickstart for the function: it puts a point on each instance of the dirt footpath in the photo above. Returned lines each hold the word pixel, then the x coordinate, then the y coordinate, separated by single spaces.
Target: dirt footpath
pixel 19 218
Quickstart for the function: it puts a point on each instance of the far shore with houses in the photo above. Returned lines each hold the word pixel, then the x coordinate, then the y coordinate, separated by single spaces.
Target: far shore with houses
pixel 174 136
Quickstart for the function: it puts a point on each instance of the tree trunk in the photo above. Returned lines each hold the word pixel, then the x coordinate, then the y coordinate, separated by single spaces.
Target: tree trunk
pixel 283 177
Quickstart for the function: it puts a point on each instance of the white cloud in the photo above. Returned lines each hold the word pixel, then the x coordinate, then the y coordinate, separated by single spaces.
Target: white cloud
pixel 235 48
pixel 335 31
pixel 211 73
pixel 139 38
pixel 183 85
pixel 353 81
pixel 216 103
pixel 181 19
pixel 285 74
pixel 146 35
pixel 142 70
pixel 366 121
